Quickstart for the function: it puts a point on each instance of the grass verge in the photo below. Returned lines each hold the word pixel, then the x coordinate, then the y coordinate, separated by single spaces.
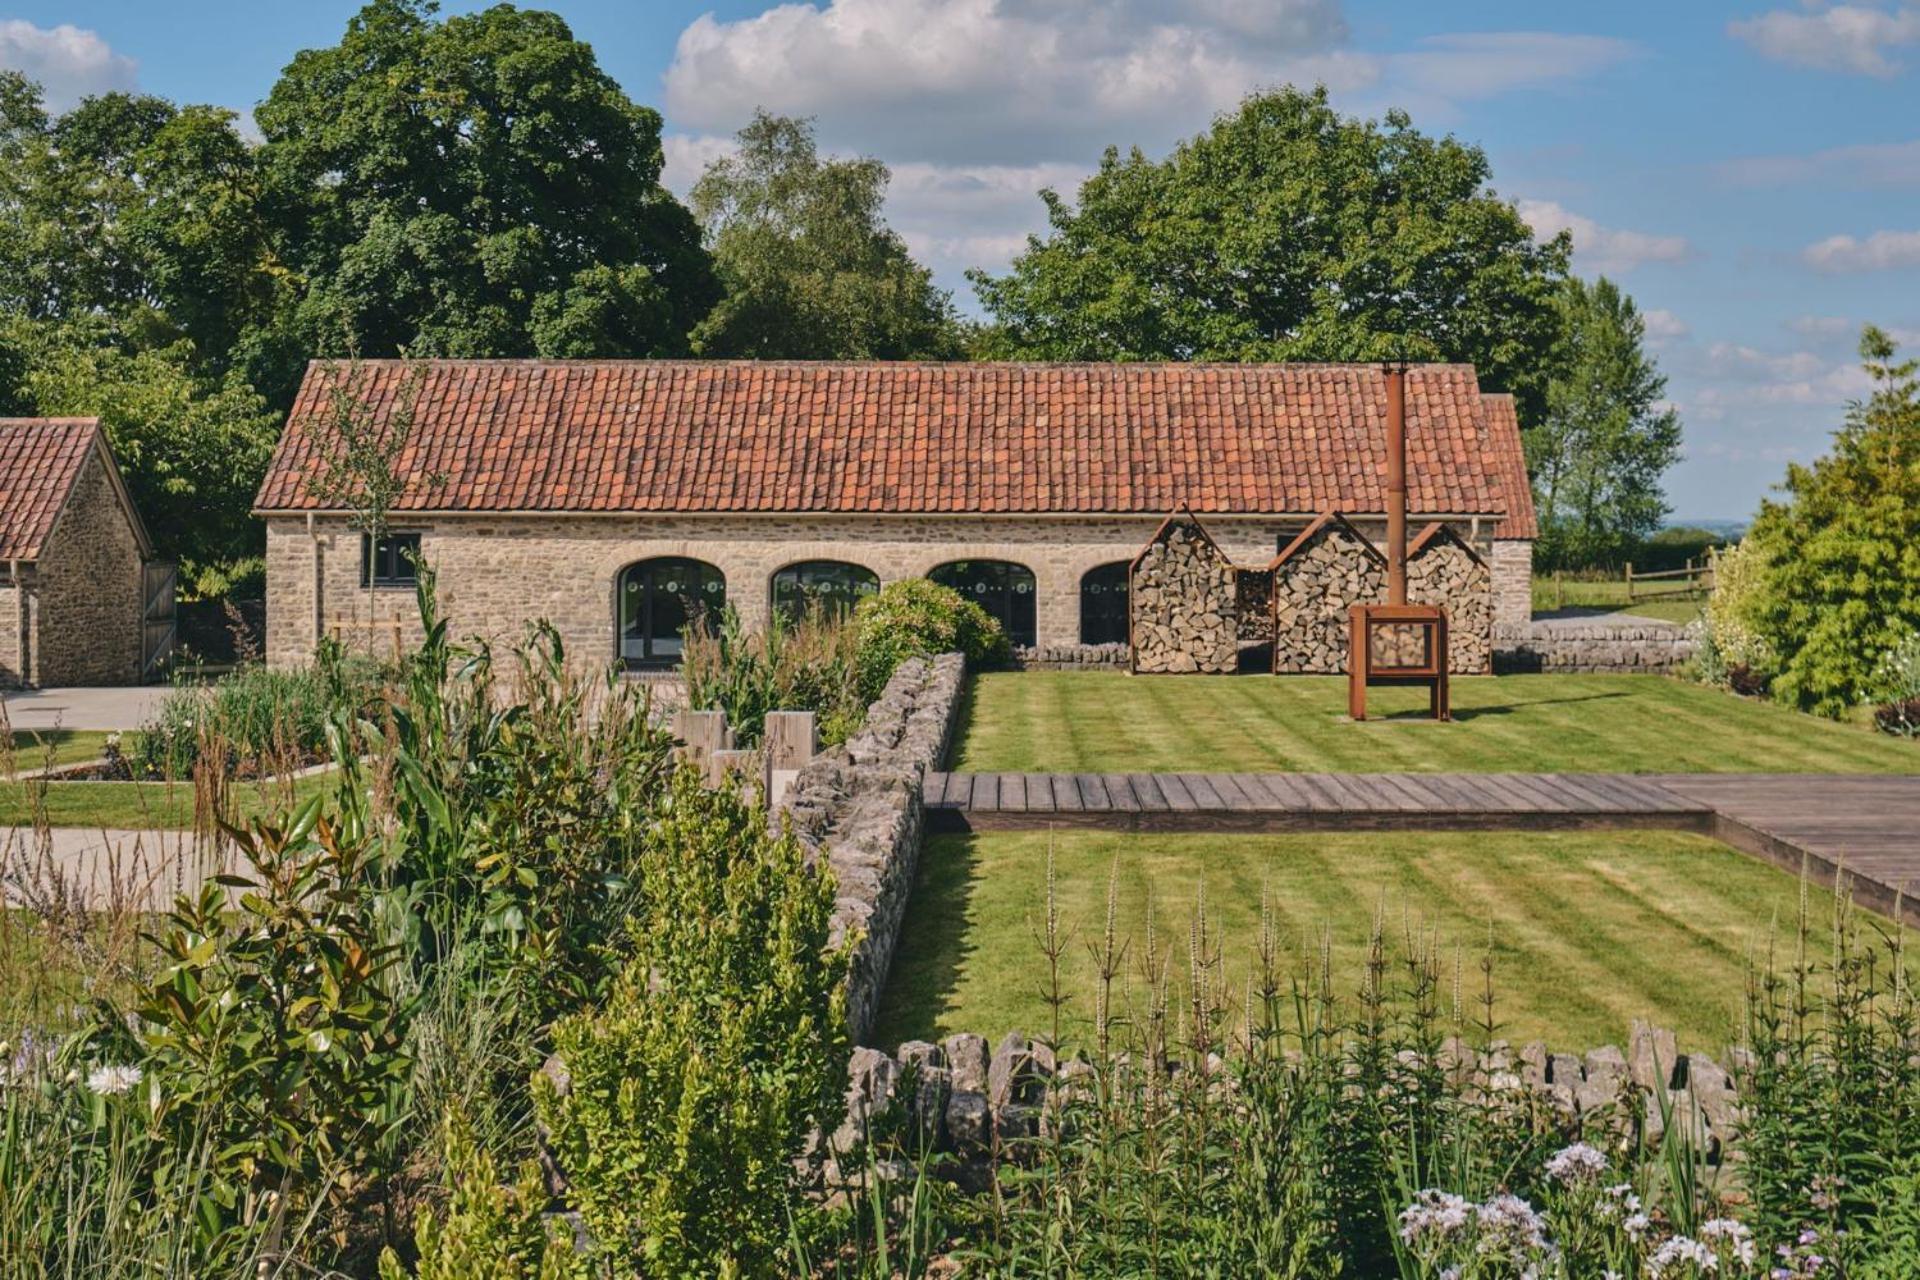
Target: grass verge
pixel 1587 930
pixel 38 748
pixel 138 806
pixel 1095 721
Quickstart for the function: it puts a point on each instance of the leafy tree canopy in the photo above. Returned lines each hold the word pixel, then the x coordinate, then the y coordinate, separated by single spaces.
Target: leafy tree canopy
pixel 811 269
pixel 1842 552
pixel 1607 435
pixel 476 187
pixel 1287 232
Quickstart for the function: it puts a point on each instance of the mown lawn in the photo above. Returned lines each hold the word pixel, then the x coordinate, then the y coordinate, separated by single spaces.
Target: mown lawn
pixel 1096 721
pixel 1610 596
pixel 136 806
pixel 37 748
pixel 1588 930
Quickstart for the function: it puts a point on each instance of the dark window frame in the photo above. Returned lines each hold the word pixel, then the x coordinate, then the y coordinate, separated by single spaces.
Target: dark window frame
pixel 860 583
pixel 1099 580
pixel 1005 600
pixel 395 561
pixel 660 651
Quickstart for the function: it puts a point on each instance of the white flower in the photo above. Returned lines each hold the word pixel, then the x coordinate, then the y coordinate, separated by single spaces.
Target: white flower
pixel 1577 1163
pixel 1734 1235
pixel 1508 1220
pixel 1434 1213
pixel 113 1079
pixel 1681 1251
pixel 1620 1201
pixel 1636 1226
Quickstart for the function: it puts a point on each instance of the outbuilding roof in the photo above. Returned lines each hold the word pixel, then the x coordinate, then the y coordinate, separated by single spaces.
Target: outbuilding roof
pixel 1510 460
pixel 41 460
pixel 905 437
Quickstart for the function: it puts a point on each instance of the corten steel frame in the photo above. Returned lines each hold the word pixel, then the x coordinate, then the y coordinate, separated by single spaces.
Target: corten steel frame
pixel 1364 620
pixel 1179 513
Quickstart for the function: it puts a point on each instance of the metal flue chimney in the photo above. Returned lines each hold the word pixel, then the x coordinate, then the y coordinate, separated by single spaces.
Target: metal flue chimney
pixel 1396 483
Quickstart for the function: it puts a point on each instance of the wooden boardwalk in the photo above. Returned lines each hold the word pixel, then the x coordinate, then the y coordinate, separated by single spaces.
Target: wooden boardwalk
pixel 1868 825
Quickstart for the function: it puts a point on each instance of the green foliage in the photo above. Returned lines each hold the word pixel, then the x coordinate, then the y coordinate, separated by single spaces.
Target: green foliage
pixel 475 186
pixel 915 618
pixel 1607 436
pixel 807 664
pixel 257 720
pixel 812 271
pixel 1288 232
pixel 693 1090
pixel 1897 689
pixel 1736 653
pixel 192 445
pixel 1842 550
pixel 490 1231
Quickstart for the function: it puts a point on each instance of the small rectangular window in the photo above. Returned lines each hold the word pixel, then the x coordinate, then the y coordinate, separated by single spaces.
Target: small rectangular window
pixel 394 563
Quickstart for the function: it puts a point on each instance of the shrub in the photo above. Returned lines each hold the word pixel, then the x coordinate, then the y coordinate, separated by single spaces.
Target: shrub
pixel 490 1231
pixel 692 1092
pixel 257 720
pixel 806 664
pixel 916 618
pixel 1897 681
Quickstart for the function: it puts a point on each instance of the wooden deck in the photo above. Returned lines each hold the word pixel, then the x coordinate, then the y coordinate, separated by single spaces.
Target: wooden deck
pixel 1868 825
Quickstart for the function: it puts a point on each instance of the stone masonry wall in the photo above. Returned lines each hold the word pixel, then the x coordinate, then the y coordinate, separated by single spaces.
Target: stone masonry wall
pixel 860 805
pixel 88 582
pixel 1312 593
pixel 968 1098
pixel 1633 648
pixel 1445 573
pixel 1512 564
pixel 1182 602
pixel 12 625
pixel 497 573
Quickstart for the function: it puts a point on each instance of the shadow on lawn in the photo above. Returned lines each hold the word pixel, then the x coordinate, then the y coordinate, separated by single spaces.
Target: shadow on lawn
pixel 933 943
pixel 1507 709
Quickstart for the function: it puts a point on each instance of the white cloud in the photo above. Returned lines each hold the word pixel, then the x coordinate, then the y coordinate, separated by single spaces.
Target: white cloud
pixel 1824 327
pixel 1601 248
pixel 1741 375
pixel 1881 251
pixel 1878 164
pixel 976 82
pixel 1664 326
pixel 1843 37
pixel 69 63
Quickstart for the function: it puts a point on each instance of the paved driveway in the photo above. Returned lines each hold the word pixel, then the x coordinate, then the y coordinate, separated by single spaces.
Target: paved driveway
pixel 101 870
pixel 124 708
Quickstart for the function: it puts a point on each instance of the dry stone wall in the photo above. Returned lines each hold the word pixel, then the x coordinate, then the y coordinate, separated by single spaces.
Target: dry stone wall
pixel 1313 589
pixel 1182 601
pixel 1647 648
pixel 1447 574
pixel 859 805
pixel 968 1098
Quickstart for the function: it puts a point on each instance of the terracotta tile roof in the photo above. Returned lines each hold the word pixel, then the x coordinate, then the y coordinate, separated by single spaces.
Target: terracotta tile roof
pixel 40 461
pixel 1510 461
pixel 625 436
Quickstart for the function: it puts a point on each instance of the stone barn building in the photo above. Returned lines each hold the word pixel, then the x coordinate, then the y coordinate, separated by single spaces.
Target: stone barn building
pixel 75 563
pixel 619 498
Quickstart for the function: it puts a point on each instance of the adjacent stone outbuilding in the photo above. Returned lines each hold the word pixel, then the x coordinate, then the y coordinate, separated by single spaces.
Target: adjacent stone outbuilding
pixel 74 560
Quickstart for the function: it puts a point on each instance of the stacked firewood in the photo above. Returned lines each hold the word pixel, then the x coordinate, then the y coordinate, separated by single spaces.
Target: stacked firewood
pixel 1183 604
pixel 1312 592
pixel 1447 574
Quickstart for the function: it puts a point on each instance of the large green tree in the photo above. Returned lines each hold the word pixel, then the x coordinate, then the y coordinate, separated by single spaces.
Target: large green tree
pixel 1841 583
pixel 132 209
pixel 811 269
pixel 1607 437
pixel 476 187
pixel 1289 232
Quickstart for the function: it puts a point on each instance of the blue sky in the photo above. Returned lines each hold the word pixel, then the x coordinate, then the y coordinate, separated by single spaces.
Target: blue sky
pixel 1749 170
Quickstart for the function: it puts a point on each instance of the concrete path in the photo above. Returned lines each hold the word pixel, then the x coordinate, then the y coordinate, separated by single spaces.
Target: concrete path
pixel 71 866
pixel 84 708
pixel 1577 616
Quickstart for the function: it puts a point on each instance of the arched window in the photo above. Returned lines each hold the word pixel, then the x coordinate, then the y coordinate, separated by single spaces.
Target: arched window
pixel 1103 603
pixel 659 599
pixel 1004 589
pixel 832 586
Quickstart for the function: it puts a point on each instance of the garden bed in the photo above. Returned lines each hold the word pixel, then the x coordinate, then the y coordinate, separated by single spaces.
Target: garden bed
pixel 1588 930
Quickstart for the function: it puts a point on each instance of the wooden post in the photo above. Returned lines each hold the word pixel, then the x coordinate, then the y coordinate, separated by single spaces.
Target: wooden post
pixel 703 734
pixel 1629 582
pixel 725 762
pixel 1559 590
pixel 791 739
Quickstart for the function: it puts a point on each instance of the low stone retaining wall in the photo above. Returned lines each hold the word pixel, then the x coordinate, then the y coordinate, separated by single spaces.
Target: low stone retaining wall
pixel 859 805
pixel 1594 647
pixel 967 1099
pixel 1051 657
